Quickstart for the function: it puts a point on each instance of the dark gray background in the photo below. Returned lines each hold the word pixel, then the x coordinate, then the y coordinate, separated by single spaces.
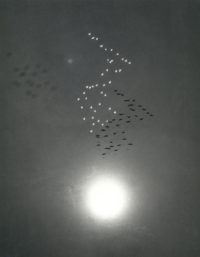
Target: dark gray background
pixel 47 154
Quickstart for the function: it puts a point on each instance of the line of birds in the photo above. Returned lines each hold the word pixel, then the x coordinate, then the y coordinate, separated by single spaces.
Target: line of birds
pixel 107 123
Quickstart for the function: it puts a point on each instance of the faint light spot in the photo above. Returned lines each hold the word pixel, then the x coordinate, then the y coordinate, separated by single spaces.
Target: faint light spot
pixel 70 60
pixel 78 99
pixel 91 131
pixel 109 82
pixel 101 46
pixel 92 117
pixel 99 104
pixel 109 108
pixel 81 107
pixel 84 118
pixel 93 124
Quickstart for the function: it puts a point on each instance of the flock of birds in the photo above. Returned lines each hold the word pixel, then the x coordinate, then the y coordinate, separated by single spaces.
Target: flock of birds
pixel 31 79
pixel 106 121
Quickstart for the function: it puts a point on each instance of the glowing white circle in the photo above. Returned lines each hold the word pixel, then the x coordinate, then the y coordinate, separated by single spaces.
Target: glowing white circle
pixel 106 198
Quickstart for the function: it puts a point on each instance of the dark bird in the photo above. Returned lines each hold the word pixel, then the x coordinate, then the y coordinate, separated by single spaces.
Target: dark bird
pixel 28 93
pixel 147 112
pixel 133 100
pixel 107 148
pixel 144 109
pixel 123 132
pixel 114 133
pixel 121 114
pixel 39 85
pixel 132 109
pixel 136 115
pixel 128 121
pixel 124 138
pixel 126 100
pixel 47 82
pixel 97 136
pixel 130 144
pixel 33 96
pixel 115 90
pixel 103 154
pixel 120 119
pixel 141 118
pixel 122 94
pixel 117 125
pixel 128 116
pixel 130 105
pixel 98 145
pixel 107 126
pixel 103 130
pixel 116 150
pixel 22 74
pixel 26 67
pixel 151 115
pixel 34 74
pixel 9 54
pixel 119 145
pixel 16 69
pixel 16 83
pixel 105 135
pixel 139 105
pixel 53 88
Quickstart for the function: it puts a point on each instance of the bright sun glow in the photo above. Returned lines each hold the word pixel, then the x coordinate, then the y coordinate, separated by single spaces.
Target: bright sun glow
pixel 106 198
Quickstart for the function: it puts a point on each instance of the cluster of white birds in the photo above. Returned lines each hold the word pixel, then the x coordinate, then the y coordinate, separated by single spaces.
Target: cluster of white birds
pixel 91 112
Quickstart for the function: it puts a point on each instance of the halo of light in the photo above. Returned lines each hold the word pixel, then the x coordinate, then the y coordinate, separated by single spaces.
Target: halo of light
pixel 106 198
